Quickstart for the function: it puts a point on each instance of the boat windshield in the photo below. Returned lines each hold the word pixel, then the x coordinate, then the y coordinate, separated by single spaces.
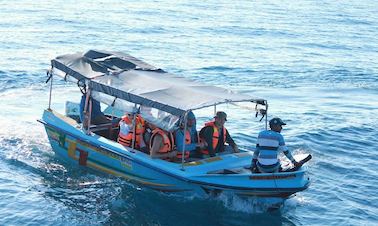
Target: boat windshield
pixel 118 107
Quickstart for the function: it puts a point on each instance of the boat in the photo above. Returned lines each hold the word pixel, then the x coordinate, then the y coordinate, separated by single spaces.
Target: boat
pixel 125 83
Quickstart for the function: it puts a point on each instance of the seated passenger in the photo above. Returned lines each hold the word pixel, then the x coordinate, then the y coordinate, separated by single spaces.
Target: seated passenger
pixel 191 138
pixel 126 131
pixel 269 143
pixel 216 135
pixel 162 144
pixel 147 137
pixel 97 117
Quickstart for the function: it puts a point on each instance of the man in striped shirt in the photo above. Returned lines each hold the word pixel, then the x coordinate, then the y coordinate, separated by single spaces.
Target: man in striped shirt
pixel 269 144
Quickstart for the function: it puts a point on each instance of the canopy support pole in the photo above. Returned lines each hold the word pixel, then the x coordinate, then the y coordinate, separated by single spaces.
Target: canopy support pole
pixel 266 115
pixel 134 129
pixel 215 109
pixel 87 112
pixel 112 105
pixel 112 119
pixel 183 141
pixel 51 86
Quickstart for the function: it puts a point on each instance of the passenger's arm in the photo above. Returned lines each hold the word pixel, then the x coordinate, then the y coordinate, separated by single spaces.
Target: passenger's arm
pixel 194 134
pixel 156 145
pixel 208 136
pixel 282 147
pixel 287 153
pixel 231 142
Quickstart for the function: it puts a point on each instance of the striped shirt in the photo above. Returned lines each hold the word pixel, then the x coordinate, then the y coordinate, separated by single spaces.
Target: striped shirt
pixel 269 143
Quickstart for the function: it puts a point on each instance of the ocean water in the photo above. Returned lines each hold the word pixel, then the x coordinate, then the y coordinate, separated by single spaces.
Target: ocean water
pixel 315 61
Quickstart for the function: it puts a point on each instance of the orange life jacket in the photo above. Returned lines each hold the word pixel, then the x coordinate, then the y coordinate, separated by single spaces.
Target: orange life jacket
pixel 168 141
pixel 127 139
pixel 215 136
pixel 187 141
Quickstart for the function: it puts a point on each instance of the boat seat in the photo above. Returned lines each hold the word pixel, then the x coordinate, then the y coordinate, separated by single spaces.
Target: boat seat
pixel 95 128
pixel 106 130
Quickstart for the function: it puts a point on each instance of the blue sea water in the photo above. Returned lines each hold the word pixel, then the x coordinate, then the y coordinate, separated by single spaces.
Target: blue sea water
pixel 315 61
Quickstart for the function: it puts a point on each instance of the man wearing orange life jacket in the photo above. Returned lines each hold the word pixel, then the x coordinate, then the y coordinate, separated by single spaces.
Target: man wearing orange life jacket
pixel 216 135
pixel 191 138
pixel 126 131
pixel 162 144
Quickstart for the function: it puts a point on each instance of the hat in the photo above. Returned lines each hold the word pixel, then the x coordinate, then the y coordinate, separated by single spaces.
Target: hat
pixel 191 115
pixel 221 114
pixel 276 122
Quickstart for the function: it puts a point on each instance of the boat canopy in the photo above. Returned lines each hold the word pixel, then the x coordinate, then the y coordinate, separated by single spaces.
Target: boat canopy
pixel 124 77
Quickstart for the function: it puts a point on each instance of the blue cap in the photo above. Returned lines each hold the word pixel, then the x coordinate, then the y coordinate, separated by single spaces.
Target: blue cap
pixel 276 122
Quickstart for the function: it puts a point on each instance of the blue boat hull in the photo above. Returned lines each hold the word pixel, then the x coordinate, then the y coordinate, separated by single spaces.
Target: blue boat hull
pixel 200 177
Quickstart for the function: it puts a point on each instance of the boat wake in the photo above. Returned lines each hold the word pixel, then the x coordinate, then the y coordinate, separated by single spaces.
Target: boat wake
pixel 250 205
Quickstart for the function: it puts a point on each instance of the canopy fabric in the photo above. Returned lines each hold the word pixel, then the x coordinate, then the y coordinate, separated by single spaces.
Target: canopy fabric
pixel 125 77
pixel 95 63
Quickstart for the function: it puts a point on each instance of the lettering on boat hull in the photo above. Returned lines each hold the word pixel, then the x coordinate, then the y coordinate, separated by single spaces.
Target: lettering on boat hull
pixel 272 177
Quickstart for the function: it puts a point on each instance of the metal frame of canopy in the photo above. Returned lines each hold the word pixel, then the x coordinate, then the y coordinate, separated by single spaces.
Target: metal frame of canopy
pixel 126 63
